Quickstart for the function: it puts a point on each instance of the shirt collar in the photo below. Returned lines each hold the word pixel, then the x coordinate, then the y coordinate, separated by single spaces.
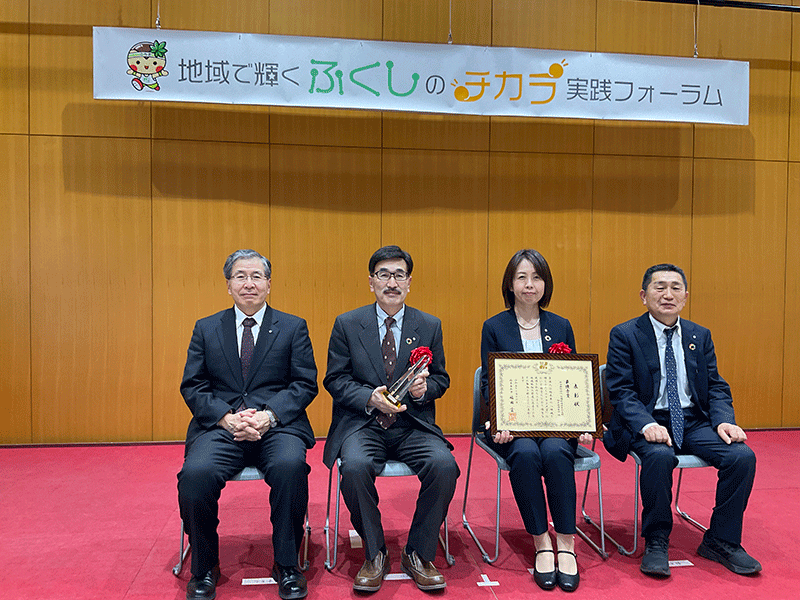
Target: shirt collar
pixel 240 316
pixel 398 316
pixel 659 327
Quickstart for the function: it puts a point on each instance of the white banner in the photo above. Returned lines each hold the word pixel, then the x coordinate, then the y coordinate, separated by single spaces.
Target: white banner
pixel 240 68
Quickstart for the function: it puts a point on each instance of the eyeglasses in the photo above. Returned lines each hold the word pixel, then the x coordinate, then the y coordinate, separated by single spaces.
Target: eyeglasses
pixel 385 276
pixel 255 277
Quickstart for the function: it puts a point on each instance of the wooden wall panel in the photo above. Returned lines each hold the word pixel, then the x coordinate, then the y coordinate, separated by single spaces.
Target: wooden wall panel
pixel 567 25
pixel 14 58
pixel 730 35
pixel 635 27
pixel 326 216
pixel 544 202
pixel 15 339
pixel 644 28
pixel 573 136
pixel 209 199
pixel 794 108
pixel 91 327
pixel 122 213
pixel 435 207
pixel 325 127
pixel 643 139
pixel 210 122
pixel 642 215
pixel 189 121
pixel 357 19
pixel 431 21
pixel 767 135
pixel 737 277
pixel 61 71
pixel 235 16
pixel 435 132
pixel 790 415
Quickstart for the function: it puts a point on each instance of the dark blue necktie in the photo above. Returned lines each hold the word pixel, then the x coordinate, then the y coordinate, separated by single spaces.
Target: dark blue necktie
pixel 674 402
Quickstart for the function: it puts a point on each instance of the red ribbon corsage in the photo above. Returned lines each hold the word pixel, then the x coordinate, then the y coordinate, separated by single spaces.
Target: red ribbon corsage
pixel 560 348
pixel 420 352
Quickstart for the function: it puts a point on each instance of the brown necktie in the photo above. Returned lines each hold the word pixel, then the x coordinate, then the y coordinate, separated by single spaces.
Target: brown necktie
pixel 247 346
pixel 389 360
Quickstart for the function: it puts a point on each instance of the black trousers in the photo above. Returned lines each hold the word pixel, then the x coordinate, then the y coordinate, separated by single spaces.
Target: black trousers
pixel 736 464
pixel 215 457
pixel 363 456
pixel 532 461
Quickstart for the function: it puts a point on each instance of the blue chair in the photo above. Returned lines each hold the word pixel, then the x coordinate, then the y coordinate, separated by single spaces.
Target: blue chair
pixel 392 468
pixel 685 461
pixel 586 460
pixel 246 474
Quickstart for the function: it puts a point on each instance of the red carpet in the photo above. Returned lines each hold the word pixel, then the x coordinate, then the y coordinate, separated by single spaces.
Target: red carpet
pixel 101 522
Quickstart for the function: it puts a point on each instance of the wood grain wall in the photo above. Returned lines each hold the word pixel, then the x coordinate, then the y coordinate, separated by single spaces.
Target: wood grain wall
pixel 116 217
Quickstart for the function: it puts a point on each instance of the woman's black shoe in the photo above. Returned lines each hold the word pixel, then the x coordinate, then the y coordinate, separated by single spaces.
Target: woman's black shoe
pixel 568 583
pixel 546 581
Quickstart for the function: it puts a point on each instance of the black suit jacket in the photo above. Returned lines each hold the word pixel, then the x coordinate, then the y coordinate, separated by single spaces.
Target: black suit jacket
pixel 282 376
pixel 633 377
pixel 355 369
pixel 501 334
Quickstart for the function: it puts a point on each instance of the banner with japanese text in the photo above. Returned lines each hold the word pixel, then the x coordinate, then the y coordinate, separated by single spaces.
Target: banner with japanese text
pixel 274 70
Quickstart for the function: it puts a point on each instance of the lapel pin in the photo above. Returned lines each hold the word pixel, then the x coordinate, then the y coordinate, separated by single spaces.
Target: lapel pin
pixel 547 337
pixel 408 341
pixel 692 346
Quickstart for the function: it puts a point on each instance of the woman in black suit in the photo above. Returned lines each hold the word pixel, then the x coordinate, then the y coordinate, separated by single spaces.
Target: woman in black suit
pixel 526 327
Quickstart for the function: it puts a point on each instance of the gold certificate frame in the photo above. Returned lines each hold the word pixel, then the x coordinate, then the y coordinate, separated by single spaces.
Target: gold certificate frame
pixel 545 395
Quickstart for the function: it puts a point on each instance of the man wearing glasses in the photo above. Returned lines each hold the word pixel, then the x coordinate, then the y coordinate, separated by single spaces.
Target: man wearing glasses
pixel 249 376
pixel 369 349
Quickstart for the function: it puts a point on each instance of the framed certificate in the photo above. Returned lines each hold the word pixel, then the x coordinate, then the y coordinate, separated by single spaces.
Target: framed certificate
pixel 545 395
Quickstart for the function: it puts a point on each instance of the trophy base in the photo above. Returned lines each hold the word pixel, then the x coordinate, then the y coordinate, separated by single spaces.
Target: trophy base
pixel 390 398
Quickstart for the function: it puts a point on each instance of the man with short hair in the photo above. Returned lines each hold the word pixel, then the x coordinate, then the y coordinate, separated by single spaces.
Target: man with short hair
pixel 249 376
pixel 669 399
pixel 369 349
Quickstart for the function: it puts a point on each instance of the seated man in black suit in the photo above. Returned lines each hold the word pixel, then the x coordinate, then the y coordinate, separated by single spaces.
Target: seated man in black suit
pixel 249 376
pixel 669 398
pixel 369 349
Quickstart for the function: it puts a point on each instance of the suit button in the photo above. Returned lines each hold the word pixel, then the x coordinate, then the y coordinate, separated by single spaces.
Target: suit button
pixel 245 394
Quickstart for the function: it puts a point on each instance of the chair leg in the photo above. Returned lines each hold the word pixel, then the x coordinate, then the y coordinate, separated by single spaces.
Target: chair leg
pixel 184 550
pixel 306 540
pixel 632 551
pixel 446 544
pixel 329 564
pixel 601 550
pixel 466 524
pixel 683 514
pixel 601 527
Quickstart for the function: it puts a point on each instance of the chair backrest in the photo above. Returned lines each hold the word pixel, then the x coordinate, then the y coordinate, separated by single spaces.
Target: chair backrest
pixel 477 426
pixel 248 474
pixel 606 405
pixel 395 468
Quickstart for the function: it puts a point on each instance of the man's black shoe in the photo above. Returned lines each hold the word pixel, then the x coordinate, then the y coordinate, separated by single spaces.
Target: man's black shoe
pixel 730 556
pixel 205 587
pixel 655 561
pixel 291 582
